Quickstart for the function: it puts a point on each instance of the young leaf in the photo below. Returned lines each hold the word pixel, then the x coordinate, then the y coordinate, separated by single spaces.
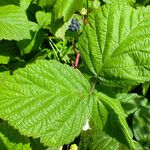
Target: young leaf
pixel 14 24
pixel 47 100
pixel 10 139
pixel 66 8
pixel 116 125
pixel 43 19
pixel 115 44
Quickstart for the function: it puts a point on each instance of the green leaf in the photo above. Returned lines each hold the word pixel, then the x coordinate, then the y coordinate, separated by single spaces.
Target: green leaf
pixel 10 139
pixel 66 8
pixel 14 24
pixel 101 141
pixel 93 4
pixel 97 140
pixel 47 100
pixel 8 2
pixel 45 3
pixel 113 91
pixel 115 45
pixel 8 50
pixel 25 4
pixel 131 102
pixel 43 19
pixel 3 76
pixel 99 114
pixel 116 125
pixel 145 87
pixel 141 122
pixel 33 44
pixel 119 1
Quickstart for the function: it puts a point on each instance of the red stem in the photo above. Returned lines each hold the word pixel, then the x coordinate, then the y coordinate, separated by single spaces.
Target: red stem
pixel 77 60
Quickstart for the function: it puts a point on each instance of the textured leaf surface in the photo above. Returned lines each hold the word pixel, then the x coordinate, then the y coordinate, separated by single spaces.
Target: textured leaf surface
pixel 28 45
pixel 25 3
pixel 101 141
pixel 99 115
pixel 116 125
pixel 131 102
pixel 97 140
pixel 10 139
pixel 43 19
pixel 45 3
pixel 47 100
pixel 141 125
pixel 115 44
pixel 119 1
pixel 66 8
pixel 14 23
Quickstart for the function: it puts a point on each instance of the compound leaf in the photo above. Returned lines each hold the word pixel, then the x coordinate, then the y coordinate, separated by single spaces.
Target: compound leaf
pixel 14 24
pixel 47 100
pixel 115 44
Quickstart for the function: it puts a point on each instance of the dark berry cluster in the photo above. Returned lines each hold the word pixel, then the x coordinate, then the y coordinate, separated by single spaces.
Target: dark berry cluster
pixel 74 26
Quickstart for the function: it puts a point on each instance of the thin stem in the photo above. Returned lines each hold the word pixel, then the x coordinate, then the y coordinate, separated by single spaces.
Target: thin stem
pixel 51 44
pixel 54 45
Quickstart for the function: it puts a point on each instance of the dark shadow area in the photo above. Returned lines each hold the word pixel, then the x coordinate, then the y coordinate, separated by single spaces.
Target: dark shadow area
pixel 12 134
pixel 2 145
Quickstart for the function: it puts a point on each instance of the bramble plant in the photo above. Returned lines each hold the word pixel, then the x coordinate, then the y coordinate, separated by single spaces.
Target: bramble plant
pixel 74 75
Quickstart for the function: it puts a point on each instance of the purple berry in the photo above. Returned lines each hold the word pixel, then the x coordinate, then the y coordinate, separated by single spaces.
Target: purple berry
pixel 78 24
pixel 70 27
pixel 73 21
pixel 74 26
